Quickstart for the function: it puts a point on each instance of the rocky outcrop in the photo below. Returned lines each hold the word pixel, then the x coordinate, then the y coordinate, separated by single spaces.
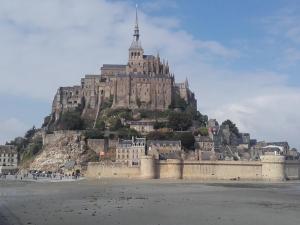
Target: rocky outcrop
pixel 59 148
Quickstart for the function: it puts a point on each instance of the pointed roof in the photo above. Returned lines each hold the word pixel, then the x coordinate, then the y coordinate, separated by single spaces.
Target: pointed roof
pixel 186 82
pixel 136 27
pixel 136 40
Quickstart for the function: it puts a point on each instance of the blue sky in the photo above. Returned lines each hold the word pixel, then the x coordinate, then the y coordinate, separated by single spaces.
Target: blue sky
pixel 241 57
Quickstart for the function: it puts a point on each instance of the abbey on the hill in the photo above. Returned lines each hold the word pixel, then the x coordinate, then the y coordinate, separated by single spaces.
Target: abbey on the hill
pixel 145 82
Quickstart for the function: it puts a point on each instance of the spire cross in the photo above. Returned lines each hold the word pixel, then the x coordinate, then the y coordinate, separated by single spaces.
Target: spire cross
pixel 136 28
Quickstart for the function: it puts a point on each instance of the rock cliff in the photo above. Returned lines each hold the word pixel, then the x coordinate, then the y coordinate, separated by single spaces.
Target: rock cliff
pixel 61 147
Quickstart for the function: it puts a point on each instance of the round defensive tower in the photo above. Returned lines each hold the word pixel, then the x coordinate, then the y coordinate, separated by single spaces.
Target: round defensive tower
pixel 273 167
pixel 147 168
pixel 174 168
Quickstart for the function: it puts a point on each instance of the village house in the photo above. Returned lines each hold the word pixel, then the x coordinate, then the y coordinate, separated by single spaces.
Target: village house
pixel 163 149
pixel 141 126
pixel 130 151
pixel 8 158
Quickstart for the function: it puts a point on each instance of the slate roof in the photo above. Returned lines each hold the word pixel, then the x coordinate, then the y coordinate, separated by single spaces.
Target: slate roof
pixel 112 66
pixel 203 139
pixel 163 142
pixel 148 57
pixel 70 164
pixel 141 75
pixel 8 149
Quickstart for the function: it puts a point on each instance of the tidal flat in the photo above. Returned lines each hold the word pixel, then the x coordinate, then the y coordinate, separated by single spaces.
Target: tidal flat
pixel 149 202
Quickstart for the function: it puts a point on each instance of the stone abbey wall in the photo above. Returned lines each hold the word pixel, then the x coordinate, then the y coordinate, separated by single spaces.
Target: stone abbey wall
pixel 270 168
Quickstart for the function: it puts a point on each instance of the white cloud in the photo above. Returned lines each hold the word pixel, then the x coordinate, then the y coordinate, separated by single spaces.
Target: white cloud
pixel 51 43
pixel 11 127
pixel 268 117
pixel 285 23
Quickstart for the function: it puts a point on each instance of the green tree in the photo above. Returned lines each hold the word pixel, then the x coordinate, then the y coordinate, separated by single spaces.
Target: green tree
pixel 157 135
pixel 30 133
pixel 107 103
pixel 116 124
pixel 158 125
pixel 232 127
pixel 36 146
pixel 178 102
pixel 100 124
pixel 187 139
pixel 203 131
pixel 72 120
pixel 179 121
pixel 94 134
pixel 127 133
pixel 201 119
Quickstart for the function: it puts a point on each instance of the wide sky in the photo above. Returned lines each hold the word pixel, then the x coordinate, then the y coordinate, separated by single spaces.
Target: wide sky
pixel 242 58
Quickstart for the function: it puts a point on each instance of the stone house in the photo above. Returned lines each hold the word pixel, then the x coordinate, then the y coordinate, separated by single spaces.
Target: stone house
pixel 130 151
pixel 141 126
pixel 163 149
pixel 204 148
pixel 204 143
pixel 8 158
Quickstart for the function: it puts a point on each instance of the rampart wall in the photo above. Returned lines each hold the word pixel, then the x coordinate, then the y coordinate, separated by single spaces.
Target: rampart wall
pixel 292 169
pixel 111 170
pixel 270 168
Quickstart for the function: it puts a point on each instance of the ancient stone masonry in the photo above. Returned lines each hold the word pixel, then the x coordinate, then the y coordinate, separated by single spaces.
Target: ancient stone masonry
pixel 269 168
pixel 144 82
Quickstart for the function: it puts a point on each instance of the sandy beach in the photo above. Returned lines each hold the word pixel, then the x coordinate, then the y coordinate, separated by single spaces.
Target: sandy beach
pixel 150 202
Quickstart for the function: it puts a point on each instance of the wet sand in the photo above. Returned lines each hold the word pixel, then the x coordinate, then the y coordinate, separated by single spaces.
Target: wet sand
pixel 152 202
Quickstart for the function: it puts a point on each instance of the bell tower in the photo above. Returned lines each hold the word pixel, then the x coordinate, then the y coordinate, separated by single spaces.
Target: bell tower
pixel 136 52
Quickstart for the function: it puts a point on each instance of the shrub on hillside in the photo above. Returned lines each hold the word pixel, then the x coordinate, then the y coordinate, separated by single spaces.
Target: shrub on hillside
pixel 100 124
pixel 180 121
pixel 203 131
pixel 72 120
pixel 94 134
pixel 127 133
pixel 232 127
pixel 187 138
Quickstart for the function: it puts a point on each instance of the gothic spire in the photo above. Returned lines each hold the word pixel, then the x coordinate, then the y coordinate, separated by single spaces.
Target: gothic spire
pixel 136 43
pixel 136 27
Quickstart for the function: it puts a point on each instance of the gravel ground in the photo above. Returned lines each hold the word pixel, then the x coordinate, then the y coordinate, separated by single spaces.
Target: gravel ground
pixel 149 202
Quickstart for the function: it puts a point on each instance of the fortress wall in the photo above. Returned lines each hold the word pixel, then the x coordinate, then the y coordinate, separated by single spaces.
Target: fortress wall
pixel 170 169
pixel 222 170
pixel 111 170
pixel 292 169
pixel 270 168
pixel 273 167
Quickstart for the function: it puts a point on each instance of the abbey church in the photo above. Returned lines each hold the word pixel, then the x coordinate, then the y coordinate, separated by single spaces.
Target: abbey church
pixel 145 82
